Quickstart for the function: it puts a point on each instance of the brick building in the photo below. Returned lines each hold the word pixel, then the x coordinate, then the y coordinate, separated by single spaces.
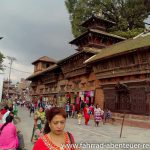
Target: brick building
pixel 71 79
pixel 124 72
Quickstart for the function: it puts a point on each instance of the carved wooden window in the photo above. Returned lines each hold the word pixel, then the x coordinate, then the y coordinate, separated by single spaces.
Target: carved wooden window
pixel 94 39
pixel 97 40
pixel 46 89
pixel 130 59
pixel 76 85
pixel 47 65
pixel 144 58
pixel 105 65
pixel 117 62
pixel 110 42
pixel 39 82
pixel 43 65
pixel 41 91
pixel 50 86
pixel 97 67
pixel 62 87
pixel 104 40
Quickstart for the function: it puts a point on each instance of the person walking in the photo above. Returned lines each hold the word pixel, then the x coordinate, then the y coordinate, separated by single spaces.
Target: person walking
pixel 9 110
pixel 79 116
pixel 73 111
pixel 97 115
pixel 67 108
pixel 4 110
pixel 39 120
pixel 87 113
pixel 55 138
pixel 8 135
pixel 107 115
pixel 32 108
pixel 15 109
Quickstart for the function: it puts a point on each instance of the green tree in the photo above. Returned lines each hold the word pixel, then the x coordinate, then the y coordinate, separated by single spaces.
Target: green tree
pixel 127 14
pixel 1 60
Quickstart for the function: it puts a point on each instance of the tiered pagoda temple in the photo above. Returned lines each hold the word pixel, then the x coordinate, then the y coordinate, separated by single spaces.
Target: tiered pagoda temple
pixel 81 80
pixel 75 80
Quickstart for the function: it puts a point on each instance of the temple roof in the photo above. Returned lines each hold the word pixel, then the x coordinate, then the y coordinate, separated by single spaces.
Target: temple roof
pixel 44 71
pixel 75 54
pixel 91 50
pixel 97 18
pixel 122 47
pixel 97 32
pixel 44 59
pixel 70 56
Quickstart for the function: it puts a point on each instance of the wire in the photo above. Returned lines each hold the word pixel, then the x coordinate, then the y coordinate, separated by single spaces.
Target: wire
pixel 17 69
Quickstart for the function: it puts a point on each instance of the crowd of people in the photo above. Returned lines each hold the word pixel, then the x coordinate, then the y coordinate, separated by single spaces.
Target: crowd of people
pixel 49 123
pixel 86 111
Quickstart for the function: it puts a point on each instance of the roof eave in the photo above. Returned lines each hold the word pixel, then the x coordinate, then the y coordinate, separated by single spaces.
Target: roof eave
pixel 40 73
pixel 113 55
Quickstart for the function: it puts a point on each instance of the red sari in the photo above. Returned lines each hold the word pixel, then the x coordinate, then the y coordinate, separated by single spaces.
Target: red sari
pixel 86 115
pixel 44 143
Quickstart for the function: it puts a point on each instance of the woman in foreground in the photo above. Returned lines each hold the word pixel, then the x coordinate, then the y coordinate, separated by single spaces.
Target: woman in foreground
pixel 8 135
pixel 55 138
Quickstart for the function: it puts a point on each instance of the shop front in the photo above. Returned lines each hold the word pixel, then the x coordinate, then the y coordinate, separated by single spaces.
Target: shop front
pixel 85 96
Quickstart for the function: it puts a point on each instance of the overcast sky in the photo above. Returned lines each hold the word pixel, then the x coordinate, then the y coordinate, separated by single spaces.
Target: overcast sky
pixel 32 29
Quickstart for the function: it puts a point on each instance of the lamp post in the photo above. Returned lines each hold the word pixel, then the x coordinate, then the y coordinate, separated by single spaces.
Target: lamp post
pixel 12 59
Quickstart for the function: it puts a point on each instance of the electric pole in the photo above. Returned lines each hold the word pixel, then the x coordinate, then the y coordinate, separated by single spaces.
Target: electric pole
pixel 12 59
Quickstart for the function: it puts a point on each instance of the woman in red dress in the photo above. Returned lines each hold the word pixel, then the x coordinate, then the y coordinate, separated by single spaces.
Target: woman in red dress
pixel 55 138
pixel 86 114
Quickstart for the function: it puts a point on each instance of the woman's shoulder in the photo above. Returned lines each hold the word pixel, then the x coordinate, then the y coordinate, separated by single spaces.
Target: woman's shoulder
pixel 68 133
pixel 39 145
pixel 10 124
pixel 70 137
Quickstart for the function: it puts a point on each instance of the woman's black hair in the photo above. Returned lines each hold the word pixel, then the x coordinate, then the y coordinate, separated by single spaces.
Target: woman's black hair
pixel 10 108
pixel 50 113
pixel 42 108
pixel 9 119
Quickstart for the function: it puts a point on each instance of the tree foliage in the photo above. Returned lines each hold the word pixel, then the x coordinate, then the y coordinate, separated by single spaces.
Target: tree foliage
pixel 127 14
pixel 1 61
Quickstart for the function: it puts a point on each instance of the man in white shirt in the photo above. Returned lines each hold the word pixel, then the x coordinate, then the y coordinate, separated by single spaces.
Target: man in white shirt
pixel 6 114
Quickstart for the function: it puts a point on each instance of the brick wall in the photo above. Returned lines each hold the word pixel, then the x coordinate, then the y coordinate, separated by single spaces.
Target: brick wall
pixel 99 97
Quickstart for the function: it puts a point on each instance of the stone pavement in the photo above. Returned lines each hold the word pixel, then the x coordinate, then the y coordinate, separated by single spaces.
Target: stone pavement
pixel 107 133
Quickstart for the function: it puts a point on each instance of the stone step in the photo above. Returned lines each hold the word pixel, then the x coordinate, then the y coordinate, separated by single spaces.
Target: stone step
pixel 131 116
pixel 131 122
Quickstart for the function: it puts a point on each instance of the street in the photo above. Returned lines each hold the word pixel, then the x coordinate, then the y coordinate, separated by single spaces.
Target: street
pixel 107 133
